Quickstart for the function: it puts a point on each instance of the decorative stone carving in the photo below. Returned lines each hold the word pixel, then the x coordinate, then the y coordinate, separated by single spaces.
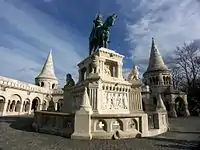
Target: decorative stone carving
pixel 107 70
pixel 115 101
pixel 132 124
pixel 116 125
pixel 101 125
pixel 134 74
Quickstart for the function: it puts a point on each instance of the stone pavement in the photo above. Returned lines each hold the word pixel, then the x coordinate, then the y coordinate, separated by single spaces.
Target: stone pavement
pixel 16 134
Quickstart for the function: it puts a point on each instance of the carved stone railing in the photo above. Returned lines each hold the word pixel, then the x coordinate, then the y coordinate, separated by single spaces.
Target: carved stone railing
pixel 12 83
pixel 54 123
pixel 58 91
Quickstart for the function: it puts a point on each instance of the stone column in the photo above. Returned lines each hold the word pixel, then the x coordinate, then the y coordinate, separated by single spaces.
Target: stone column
pixel 119 70
pixel 40 107
pixel 161 81
pixel 29 109
pixel 101 66
pixel 186 111
pixel 21 107
pixel 56 106
pixel 172 111
pixel 4 108
pixel 80 75
pixel 14 107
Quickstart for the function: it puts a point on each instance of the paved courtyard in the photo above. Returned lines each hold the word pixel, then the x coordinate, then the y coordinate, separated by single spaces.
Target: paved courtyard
pixel 16 134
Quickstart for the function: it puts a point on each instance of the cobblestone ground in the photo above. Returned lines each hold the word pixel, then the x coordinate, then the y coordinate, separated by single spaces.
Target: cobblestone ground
pixel 16 134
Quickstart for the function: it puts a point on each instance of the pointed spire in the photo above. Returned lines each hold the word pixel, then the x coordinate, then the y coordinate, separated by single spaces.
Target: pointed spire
pixel 155 61
pixel 48 68
pixel 86 102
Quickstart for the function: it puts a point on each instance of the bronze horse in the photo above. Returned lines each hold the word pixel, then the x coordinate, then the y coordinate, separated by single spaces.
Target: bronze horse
pixel 101 36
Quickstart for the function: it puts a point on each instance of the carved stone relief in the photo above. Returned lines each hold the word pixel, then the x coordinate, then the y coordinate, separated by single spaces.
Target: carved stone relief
pixel 115 101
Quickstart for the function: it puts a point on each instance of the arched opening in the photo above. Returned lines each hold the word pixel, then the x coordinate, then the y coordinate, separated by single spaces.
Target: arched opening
pixel 154 101
pixel 12 106
pixel 58 106
pixel 101 125
pixel 154 80
pixel 35 104
pixel 150 80
pixel 17 107
pixel 16 103
pixel 157 81
pixel 164 79
pixel 42 84
pixel 53 86
pixel 27 105
pixel 2 103
pixel 179 106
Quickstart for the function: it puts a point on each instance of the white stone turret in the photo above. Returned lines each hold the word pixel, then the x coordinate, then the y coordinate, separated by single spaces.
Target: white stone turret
pixel 47 76
pixel 157 73
pixel 156 62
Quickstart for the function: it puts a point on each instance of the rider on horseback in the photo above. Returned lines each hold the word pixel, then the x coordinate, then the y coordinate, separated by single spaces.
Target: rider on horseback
pixel 97 24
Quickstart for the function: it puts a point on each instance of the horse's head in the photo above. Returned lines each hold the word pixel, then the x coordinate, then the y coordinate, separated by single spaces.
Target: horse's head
pixel 111 20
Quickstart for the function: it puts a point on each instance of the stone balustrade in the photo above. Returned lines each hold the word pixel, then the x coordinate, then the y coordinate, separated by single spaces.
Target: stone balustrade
pixel 58 91
pixel 54 123
pixel 12 83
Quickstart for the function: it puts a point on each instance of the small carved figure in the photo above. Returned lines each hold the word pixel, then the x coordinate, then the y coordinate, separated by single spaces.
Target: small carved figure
pixel 134 75
pixel 107 70
pixel 69 80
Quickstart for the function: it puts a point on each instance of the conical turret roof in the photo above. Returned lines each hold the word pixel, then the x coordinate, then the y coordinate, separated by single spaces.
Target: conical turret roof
pixel 156 62
pixel 48 68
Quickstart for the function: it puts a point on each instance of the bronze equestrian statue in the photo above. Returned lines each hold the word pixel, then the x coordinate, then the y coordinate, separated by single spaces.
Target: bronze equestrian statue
pixel 99 37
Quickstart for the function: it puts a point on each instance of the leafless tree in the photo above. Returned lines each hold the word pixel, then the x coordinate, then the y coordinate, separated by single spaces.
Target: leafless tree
pixel 186 68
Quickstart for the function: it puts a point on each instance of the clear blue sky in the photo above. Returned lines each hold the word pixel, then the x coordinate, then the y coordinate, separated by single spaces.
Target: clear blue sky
pixel 29 28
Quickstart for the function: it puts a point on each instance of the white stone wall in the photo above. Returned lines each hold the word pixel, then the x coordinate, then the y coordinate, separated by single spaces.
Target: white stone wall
pixel 18 97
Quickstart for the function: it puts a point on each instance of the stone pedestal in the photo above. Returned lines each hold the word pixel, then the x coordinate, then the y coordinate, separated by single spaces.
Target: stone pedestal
pixel 144 124
pixel 160 120
pixel 82 126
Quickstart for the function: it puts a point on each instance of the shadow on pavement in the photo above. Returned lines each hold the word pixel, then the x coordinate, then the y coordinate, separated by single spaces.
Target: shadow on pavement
pixel 19 122
pixel 177 144
pixel 183 132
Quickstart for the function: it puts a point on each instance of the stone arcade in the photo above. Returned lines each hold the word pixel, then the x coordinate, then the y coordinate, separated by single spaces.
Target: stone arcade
pixel 102 104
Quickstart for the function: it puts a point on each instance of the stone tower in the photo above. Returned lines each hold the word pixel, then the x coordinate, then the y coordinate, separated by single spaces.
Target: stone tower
pixel 157 76
pixel 47 76
pixel 159 80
